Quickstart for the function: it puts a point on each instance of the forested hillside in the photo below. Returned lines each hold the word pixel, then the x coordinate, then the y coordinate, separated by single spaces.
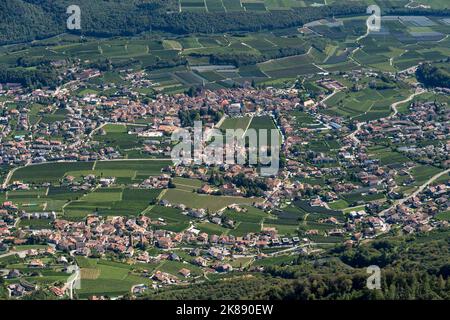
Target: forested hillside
pixel 434 75
pixel 412 268
pixel 26 20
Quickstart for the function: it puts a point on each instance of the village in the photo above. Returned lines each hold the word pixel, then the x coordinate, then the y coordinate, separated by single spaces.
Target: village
pixel 338 170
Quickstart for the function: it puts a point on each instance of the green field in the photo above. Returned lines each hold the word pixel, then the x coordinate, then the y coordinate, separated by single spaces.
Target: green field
pixel 236 123
pixel 365 105
pixel 173 218
pixel 212 203
pixel 54 172
pixel 265 123
pixel 443 216
pixel 48 172
pixel 105 278
pixel 112 202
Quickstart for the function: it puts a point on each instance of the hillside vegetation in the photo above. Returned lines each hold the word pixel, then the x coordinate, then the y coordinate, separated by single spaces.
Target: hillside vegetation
pixel 26 20
pixel 412 268
pixel 434 75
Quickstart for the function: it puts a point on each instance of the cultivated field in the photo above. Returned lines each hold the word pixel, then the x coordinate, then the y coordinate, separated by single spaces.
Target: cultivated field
pixel 184 194
pixel 127 171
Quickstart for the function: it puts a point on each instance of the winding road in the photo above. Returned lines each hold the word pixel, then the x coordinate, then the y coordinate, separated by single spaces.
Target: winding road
pixel 415 193
pixel 394 105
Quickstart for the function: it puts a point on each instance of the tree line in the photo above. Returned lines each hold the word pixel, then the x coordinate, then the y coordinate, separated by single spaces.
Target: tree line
pixel 22 20
pixel 432 75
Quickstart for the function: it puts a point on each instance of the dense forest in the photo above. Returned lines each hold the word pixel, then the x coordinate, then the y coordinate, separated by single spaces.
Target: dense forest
pixel 411 268
pixel 22 20
pixel 434 75
pixel 25 20
pixel 38 78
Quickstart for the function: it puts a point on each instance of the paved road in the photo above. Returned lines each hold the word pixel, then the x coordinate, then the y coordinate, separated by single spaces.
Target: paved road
pixel 395 104
pixel 354 133
pixel 393 107
pixel 8 177
pixel 415 193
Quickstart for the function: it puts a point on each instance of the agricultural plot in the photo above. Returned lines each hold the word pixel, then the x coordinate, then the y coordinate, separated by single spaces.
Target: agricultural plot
pixel 338 205
pixel 174 267
pixel 387 157
pixel 339 30
pixel 102 277
pixel 172 218
pixel 251 71
pixel 212 229
pixel 249 221
pixel 278 260
pixel 244 228
pixel 320 145
pixel 212 203
pixel 355 198
pixel 190 78
pixel 250 215
pixel 172 45
pixel 215 6
pixel 233 5
pixel 368 104
pixel 212 76
pixel 265 123
pixel 45 277
pixel 247 5
pixel 289 67
pixel 117 136
pixel 185 193
pixel 51 273
pixel 384 52
pixel 36 224
pixel 286 221
pixel 165 81
pixel 52 199
pixel 57 115
pixel 112 202
pixel 34 116
pixel 189 43
pixel 48 172
pixel 192 5
pixel 443 215
pixel 127 170
pixel 141 168
pixel 301 217
pixel 254 5
pixel 422 173
pixel 305 120
pixel 236 123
